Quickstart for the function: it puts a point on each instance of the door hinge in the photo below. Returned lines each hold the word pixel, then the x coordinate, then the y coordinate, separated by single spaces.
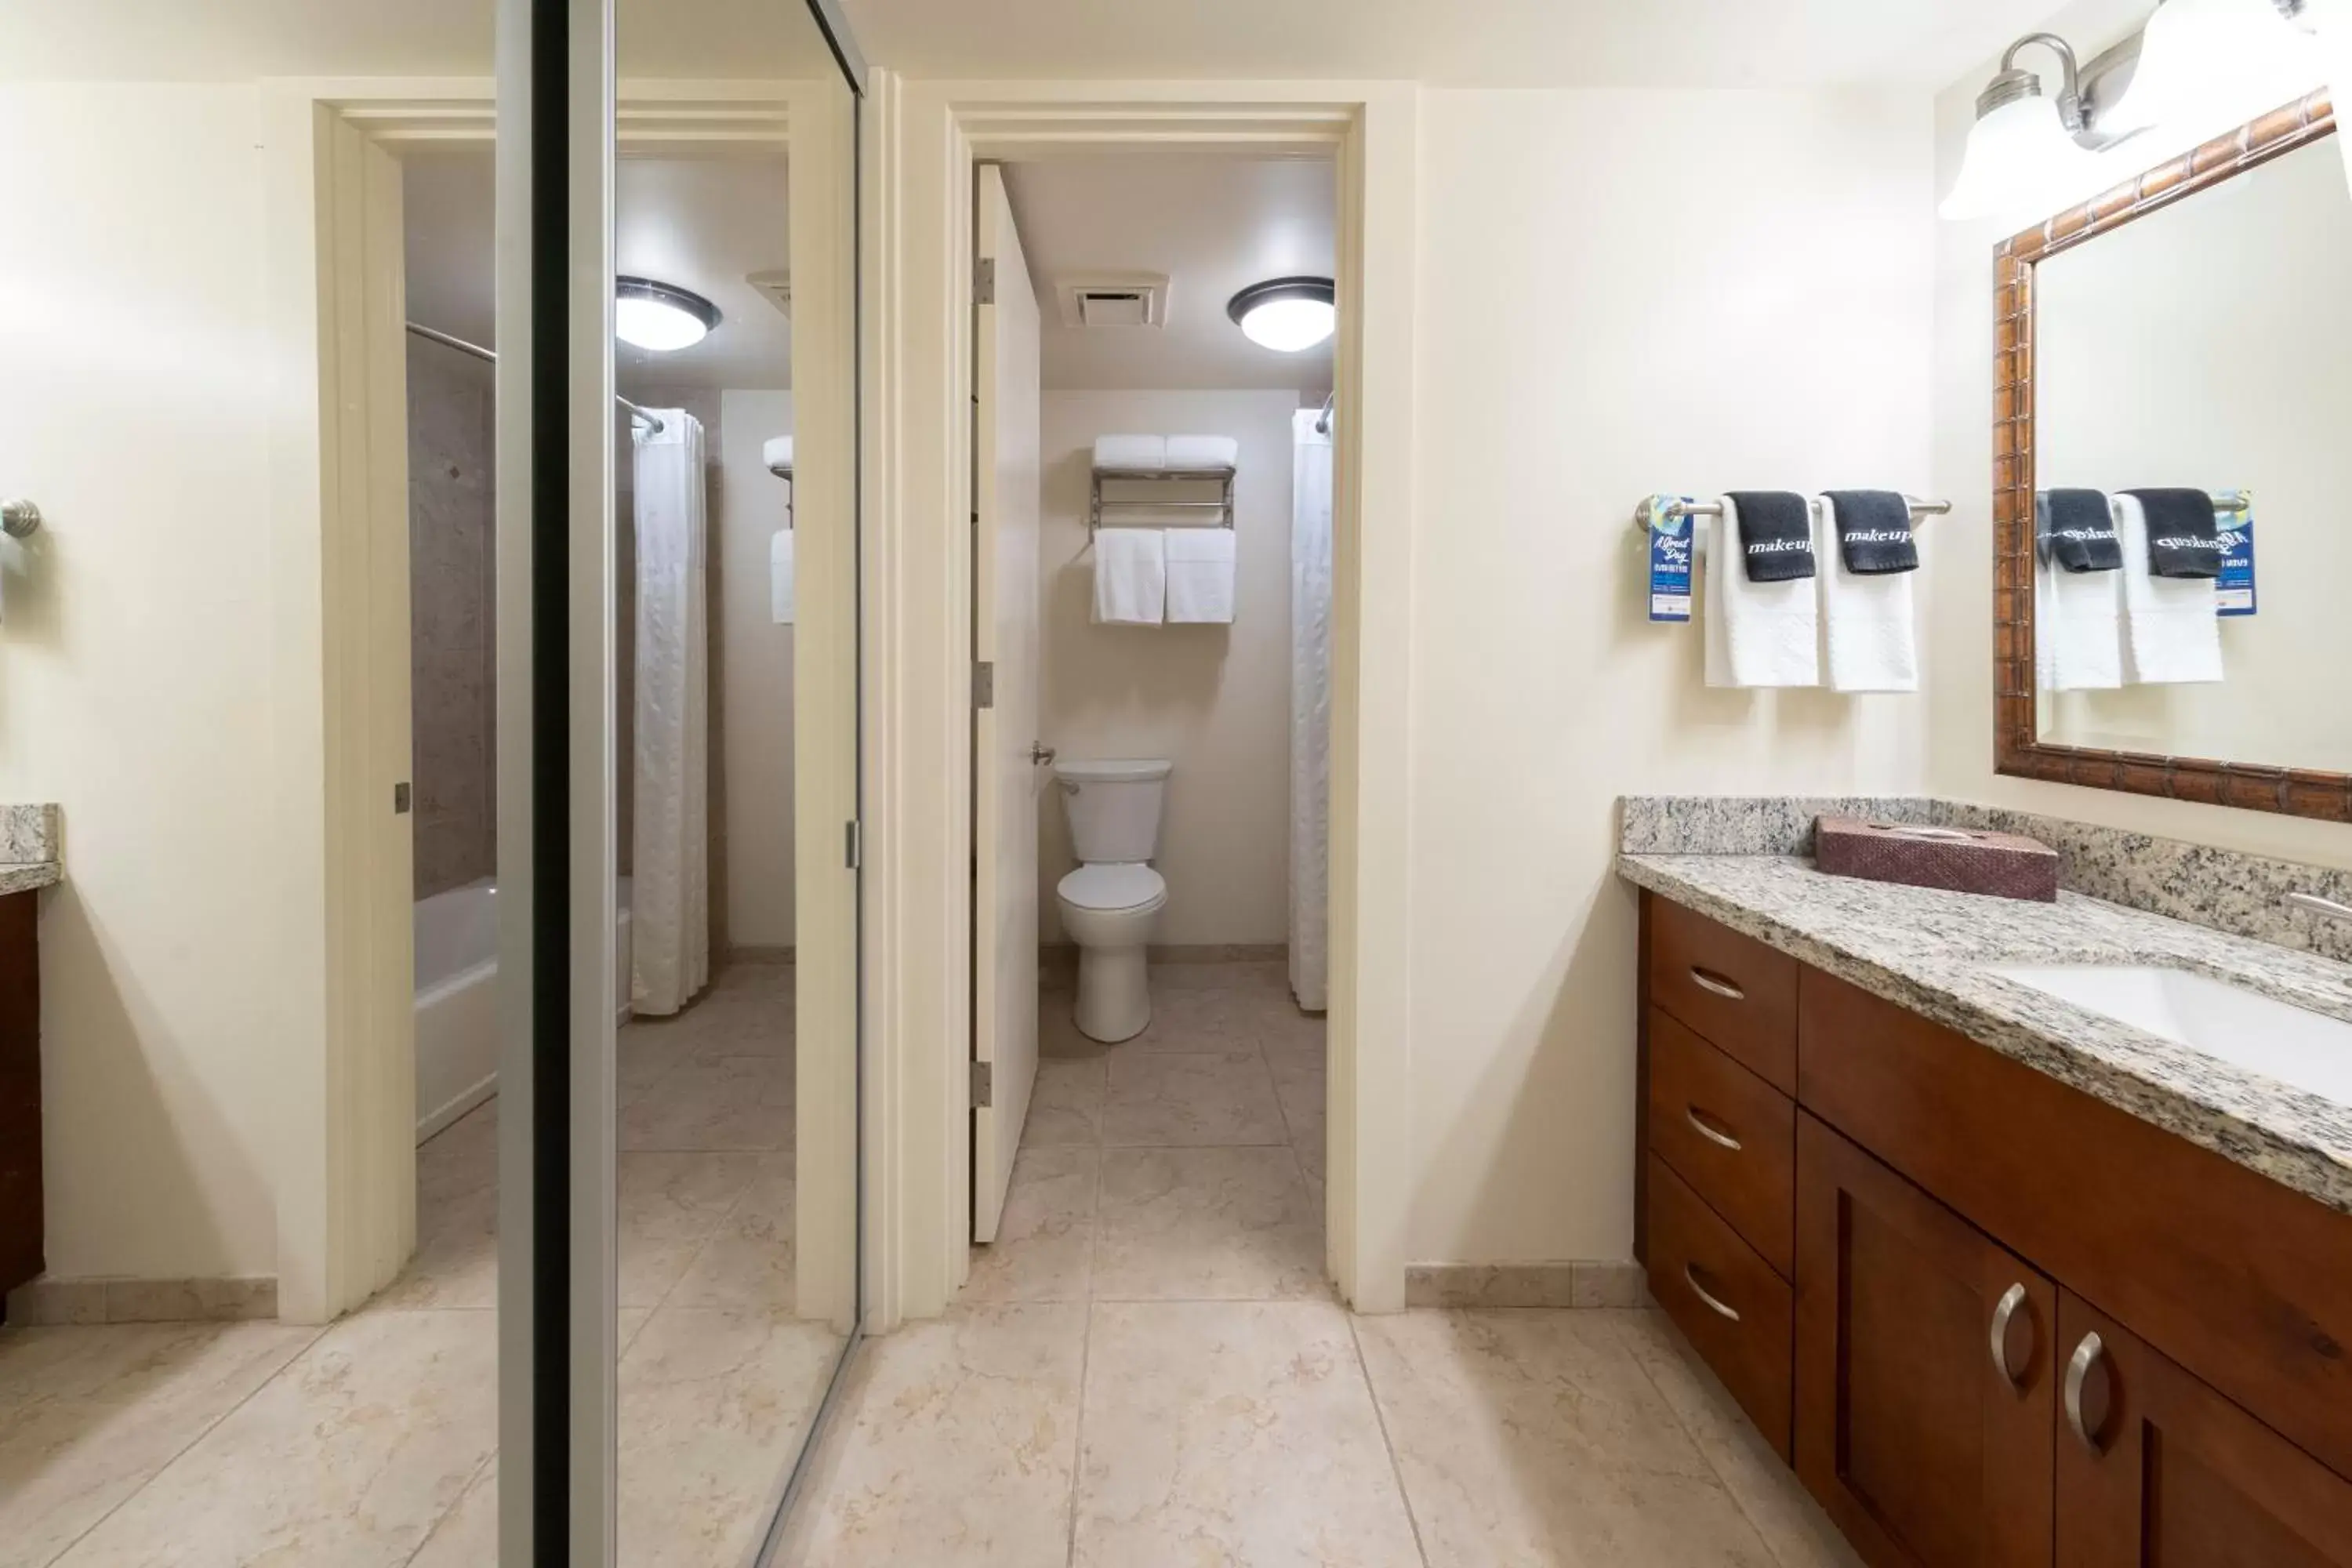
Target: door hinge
pixel 983 684
pixel 852 848
pixel 983 1085
pixel 983 281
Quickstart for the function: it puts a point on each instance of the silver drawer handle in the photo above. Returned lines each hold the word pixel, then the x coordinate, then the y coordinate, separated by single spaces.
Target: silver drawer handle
pixel 1714 1302
pixel 1722 1139
pixel 1708 980
pixel 2078 1370
pixel 2002 1314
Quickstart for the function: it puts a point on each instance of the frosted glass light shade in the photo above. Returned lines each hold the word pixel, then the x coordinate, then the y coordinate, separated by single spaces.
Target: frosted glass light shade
pixel 1290 326
pixel 2208 65
pixel 660 317
pixel 2015 156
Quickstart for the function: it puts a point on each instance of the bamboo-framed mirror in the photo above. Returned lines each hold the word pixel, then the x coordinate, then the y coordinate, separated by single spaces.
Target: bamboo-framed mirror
pixel 2199 343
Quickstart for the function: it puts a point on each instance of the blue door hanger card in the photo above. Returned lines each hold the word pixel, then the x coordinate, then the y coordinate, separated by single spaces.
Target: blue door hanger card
pixel 1670 562
pixel 2233 592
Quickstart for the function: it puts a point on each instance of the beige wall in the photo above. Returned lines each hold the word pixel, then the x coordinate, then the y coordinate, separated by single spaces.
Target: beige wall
pixel 1960 554
pixel 1620 292
pixel 751 662
pixel 1215 700
pixel 453 617
pixel 138 686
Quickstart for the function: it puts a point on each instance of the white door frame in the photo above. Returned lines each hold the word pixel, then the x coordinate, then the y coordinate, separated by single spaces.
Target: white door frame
pixel 922 139
pixel 346 1181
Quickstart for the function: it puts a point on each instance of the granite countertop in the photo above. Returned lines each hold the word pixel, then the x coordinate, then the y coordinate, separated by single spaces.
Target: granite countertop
pixel 1931 952
pixel 35 874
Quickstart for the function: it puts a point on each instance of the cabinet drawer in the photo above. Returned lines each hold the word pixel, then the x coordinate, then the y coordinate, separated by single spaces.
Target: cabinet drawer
pixel 1725 1298
pixel 1727 1134
pixel 1736 993
pixel 2244 1283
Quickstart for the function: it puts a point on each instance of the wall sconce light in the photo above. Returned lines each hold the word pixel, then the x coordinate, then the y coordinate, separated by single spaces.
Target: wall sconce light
pixel 2228 60
pixel 2024 143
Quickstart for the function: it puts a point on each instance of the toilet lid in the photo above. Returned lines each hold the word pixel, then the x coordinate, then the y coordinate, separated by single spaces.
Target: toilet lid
pixel 1113 887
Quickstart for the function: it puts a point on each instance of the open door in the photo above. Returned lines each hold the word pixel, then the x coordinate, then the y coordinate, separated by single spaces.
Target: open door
pixel 1007 758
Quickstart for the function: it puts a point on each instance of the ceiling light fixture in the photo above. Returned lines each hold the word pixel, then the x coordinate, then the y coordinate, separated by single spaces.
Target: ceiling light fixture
pixel 659 316
pixel 1285 314
pixel 2022 144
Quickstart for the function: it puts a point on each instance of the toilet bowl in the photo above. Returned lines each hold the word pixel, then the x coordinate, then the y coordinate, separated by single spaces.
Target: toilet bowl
pixel 1110 911
pixel 1111 903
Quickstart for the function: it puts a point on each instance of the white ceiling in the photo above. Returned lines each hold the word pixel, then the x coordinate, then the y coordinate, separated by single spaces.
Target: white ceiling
pixel 1213 225
pixel 206 40
pixel 1513 43
pixel 702 225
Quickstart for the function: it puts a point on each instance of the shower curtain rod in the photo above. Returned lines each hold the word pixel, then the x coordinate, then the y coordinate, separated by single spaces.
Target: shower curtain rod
pixel 652 421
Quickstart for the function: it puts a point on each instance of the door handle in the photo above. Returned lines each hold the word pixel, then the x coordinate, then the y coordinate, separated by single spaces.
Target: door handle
pixel 2087 1355
pixel 1699 1125
pixel 1041 755
pixel 1715 1303
pixel 1708 980
pixel 2003 1314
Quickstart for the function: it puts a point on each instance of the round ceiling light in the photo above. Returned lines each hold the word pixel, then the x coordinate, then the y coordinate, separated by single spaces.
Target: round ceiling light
pixel 660 317
pixel 1285 314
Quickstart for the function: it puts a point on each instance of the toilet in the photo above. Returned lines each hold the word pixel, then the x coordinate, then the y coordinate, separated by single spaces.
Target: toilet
pixel 1112 901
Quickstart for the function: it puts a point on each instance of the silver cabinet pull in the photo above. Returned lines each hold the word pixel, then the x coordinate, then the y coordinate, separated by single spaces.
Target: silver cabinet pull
pixel 1715 1303
pixel 1721 1140
pixel 2002 1314
pixel 1708 980
pixel 2078 1371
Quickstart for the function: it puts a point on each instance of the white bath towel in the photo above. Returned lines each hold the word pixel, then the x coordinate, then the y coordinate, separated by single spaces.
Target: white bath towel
pixel 1147 454
pixel 1866 618
pixel 2171 636
pixel 2078 628
pixel 780 577
pixel 1758 634
pixel 1199 574
pixel 1189 454
pixel 1130 577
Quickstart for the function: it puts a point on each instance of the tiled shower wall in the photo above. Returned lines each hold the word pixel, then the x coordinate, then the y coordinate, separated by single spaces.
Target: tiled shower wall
pixel 453 636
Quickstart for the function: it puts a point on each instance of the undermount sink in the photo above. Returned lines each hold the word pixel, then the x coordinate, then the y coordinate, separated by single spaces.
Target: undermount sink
pixel 2309 1050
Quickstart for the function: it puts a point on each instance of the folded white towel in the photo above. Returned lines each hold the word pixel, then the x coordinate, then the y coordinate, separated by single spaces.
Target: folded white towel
pixel 2172 637
pixel 1130 577
pixel 2078 628
pixel 780 586
pixel 1187 453
pixel 1147 453
pixel 1199 574
pixel 1758 634
pixel 1866 616
pixel 777 453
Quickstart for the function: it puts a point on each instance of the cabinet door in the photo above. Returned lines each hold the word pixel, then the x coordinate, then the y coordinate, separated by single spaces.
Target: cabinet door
pixel 2156 1468
pixel 1924 1387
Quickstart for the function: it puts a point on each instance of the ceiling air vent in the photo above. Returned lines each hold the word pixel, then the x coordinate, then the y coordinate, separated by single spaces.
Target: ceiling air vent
pixel 776 288
pixel 1114 299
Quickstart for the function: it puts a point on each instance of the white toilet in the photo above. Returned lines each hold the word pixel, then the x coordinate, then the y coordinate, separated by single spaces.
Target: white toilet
pixel 1112 902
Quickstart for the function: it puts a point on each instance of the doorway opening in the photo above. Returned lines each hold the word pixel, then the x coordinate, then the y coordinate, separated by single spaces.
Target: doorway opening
pixel 1152 575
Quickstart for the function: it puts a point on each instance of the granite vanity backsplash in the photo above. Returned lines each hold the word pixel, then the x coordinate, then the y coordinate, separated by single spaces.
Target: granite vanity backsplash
pixel 30 852
pixel 2220 889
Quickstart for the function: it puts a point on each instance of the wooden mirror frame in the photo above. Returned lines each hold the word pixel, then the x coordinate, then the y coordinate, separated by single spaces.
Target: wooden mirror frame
pixel 2018 748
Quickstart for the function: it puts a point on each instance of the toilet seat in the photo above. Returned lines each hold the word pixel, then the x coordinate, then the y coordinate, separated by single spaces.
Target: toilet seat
pixel 1114 889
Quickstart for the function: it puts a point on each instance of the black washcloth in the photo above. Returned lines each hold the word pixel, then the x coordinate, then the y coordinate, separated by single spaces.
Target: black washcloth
pixel 2081 530
pixel 1874 532
pixel 2184 538
pixel 1775 535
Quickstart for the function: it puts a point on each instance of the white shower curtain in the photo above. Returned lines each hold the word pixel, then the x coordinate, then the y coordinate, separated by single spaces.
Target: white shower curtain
pixel 670 832
pixel 1310 712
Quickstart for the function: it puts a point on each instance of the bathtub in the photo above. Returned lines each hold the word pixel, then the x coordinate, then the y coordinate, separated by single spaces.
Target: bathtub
pixel 457 999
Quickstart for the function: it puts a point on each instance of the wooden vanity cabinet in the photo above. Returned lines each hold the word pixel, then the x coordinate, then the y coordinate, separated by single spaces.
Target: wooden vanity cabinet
pixel 1954 1216
pixel 20 1092
pixel 1924 1381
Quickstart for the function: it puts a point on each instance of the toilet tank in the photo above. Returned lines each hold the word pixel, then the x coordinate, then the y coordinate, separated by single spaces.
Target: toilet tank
pixel 1113 807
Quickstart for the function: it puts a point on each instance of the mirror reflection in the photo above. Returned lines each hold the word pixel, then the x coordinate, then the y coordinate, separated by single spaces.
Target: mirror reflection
pixel 2191 473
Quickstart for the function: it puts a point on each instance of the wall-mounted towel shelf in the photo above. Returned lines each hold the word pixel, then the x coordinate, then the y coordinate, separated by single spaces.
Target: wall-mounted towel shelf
pixel 1654 510
pixel 1223 506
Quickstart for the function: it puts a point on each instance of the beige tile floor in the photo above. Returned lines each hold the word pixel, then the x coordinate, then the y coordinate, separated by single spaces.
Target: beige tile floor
pixel 1148 1368
pixel 372 1442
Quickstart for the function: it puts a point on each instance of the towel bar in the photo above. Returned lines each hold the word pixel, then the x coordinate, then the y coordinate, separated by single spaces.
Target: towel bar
pixel 1650 514
pixel 21 519
pixel 1223 506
